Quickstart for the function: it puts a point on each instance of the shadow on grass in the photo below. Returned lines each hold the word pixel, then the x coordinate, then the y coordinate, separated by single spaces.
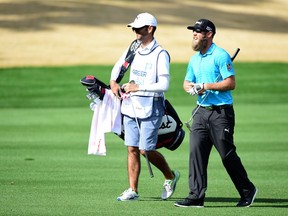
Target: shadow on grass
pixel 45 15
pixel 259 202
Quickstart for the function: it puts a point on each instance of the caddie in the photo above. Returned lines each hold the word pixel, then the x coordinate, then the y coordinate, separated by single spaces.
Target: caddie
pixel 148 80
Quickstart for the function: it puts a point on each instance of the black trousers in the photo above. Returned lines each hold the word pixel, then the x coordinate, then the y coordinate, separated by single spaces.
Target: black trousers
pixel 214 127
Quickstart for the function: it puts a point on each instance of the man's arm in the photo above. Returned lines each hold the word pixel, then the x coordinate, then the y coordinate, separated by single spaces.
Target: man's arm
pixel 225 85
pixel 187 85
pixel 115 88
pixel 199 88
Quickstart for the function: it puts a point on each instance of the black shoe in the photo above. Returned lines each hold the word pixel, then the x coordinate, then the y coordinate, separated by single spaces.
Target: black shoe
pixel 247 200
pixel 196 203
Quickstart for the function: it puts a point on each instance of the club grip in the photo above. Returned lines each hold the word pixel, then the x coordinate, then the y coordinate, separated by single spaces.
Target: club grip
pixel 235 54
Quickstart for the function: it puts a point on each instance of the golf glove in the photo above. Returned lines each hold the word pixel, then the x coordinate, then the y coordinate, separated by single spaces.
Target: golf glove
pixel 196 89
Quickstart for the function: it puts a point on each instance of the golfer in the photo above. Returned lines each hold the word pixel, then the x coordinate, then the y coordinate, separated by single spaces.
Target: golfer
pixel 149 79
pixel 210 71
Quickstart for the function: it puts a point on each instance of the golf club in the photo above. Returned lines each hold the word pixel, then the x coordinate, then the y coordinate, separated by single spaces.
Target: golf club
pixel 137 122
pixel 189 122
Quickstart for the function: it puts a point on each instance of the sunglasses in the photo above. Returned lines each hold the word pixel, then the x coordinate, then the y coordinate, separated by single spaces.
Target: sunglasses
pixel 198 30
pixel 138 30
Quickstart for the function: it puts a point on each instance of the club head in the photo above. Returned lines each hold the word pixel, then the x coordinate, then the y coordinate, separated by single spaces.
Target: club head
pixel 189 124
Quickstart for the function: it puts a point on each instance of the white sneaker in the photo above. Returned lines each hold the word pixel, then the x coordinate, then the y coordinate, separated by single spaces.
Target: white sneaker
pixel 170 185
pixel 128 195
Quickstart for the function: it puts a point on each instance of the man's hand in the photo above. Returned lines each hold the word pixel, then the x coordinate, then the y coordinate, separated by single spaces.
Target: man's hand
pixel 130 87
pixel 187 86
pixel 197 88
pixel 115 88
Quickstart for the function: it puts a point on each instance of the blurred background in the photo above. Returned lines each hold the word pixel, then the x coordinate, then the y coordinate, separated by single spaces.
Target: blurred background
pixel 77 32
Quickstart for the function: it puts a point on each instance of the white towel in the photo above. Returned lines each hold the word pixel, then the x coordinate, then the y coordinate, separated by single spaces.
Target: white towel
pixel 106 118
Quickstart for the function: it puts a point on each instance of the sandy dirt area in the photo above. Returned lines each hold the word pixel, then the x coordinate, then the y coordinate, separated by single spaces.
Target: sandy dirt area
pixel 72 32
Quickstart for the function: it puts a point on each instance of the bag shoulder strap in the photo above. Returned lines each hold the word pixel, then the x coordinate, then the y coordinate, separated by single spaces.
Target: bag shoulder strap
pixel 169 109
pixel 128 59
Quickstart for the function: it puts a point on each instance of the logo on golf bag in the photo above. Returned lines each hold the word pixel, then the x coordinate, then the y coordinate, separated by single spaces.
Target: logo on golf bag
pixel 168 124
pixel 172 135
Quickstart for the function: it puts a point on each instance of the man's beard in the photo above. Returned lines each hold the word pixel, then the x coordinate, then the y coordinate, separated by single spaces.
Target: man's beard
pixel 199 45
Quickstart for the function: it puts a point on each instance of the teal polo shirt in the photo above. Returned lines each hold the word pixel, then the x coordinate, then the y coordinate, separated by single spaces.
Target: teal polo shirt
pixel 214 66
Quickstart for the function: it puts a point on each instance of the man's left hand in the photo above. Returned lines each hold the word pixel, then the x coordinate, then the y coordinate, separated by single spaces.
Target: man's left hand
pixel 197 88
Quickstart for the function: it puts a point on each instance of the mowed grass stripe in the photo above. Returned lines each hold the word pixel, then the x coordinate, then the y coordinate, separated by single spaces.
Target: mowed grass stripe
pixel 45 169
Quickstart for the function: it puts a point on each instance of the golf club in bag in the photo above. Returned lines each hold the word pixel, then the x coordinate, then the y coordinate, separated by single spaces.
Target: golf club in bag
pixel 170 134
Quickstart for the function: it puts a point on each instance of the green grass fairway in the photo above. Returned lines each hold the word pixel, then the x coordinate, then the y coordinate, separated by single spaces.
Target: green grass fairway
pixel 44 129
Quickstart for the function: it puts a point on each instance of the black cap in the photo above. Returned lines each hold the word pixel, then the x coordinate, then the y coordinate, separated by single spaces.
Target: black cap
pixel 203 25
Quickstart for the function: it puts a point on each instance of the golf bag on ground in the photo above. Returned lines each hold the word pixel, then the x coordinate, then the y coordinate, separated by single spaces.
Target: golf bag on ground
pixel 170 134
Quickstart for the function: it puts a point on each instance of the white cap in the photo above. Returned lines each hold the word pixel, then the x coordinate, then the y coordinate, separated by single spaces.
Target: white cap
pixel 143 19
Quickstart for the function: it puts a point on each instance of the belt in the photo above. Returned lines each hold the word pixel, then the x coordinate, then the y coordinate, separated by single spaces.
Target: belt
pixel 214 107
